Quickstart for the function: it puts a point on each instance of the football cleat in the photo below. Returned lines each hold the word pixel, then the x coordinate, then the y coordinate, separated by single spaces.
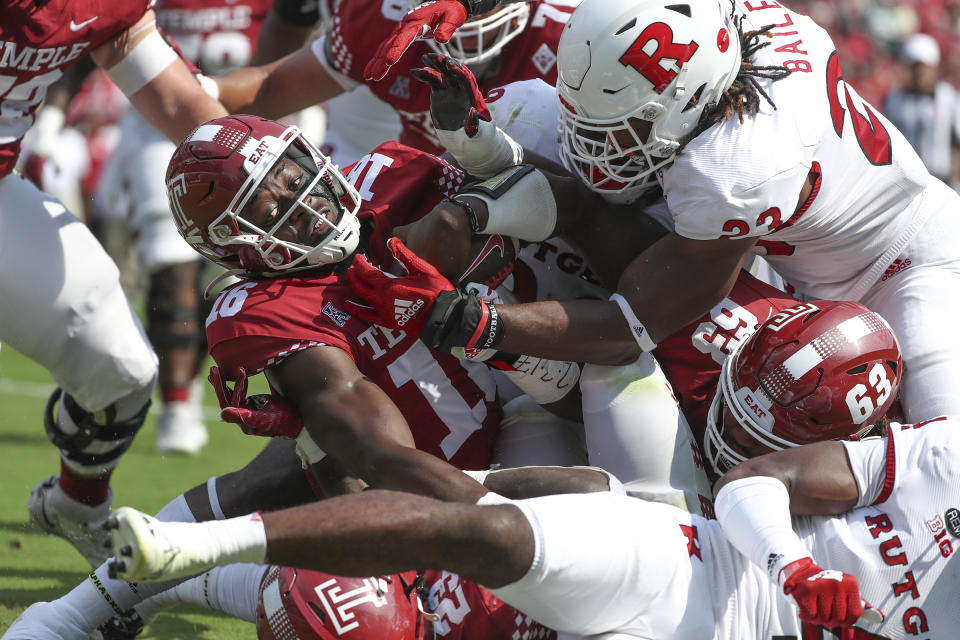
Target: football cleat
pixel 150 550
pixel 125 627
pixel 180 428
pixel 43 621
pixel 56 513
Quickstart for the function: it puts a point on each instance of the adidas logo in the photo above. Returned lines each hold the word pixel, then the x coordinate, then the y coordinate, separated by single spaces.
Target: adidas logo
pixel 895 268
pixel 404 310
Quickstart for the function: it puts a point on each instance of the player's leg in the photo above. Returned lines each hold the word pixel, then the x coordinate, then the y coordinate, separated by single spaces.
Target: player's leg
pixel 920 298
pixel 272 480
pixel 63 307
pixel 173 312
pixel 635 430
pixel 583 563
pixel 530 435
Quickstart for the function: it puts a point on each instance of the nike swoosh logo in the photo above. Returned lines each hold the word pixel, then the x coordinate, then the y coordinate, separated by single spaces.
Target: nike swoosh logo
pixel 494 242
pixel 76 27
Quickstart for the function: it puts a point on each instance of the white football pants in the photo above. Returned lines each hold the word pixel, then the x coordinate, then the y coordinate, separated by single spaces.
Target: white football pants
pixel 61 303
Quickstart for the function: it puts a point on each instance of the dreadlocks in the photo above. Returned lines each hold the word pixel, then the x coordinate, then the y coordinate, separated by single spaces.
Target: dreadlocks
pixel 743 96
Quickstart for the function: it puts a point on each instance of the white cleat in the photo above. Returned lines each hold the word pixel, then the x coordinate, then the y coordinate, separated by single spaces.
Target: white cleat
pixel 149 550
pixel 56 513
pixel 180 428
pixel 44 621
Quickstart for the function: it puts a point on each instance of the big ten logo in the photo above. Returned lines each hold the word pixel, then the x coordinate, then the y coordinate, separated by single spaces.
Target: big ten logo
pixel 785 317
pixel 728 326
pixel 340 604
pixel 378 340
pixel 939 530
pixel 448 602
pixel 365 171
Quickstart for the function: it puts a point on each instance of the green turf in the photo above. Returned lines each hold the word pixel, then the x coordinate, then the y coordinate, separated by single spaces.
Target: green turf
pixel 37 567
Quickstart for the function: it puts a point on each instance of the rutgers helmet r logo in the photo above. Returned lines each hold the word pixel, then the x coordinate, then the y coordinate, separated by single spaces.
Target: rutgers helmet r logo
pixel 648 65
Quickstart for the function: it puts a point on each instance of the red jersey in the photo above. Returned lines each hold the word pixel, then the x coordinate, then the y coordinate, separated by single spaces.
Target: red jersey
pixel 467 611
pixel 215 35
pixel 691 357
pixel 449 404
pixel 359 26
pixel 38 40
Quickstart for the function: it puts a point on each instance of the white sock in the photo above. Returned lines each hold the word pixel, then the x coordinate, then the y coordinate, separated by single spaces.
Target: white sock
pixel 100 597
pixel 176 511
pixel 232 590
pixel 222 542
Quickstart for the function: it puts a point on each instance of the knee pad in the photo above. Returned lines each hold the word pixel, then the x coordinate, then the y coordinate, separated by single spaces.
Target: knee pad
pixel 88 439
pixel 170 327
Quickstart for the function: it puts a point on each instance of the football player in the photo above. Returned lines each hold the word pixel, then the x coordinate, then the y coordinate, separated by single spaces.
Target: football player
pixel 217 36
pixel 821 183
pixel 877 509
pixel 62 302
pixel 873 524
pixel 514 42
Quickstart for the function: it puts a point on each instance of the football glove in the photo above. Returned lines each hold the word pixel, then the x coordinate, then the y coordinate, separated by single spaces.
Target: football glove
pixel 437 19
pixel 259 415
pixel 423 302
pixel 824 597
pixel 455 98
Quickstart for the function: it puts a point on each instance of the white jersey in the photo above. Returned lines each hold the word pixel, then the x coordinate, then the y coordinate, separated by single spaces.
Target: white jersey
pixel 901 540
pixel 653 571
pixel 744 180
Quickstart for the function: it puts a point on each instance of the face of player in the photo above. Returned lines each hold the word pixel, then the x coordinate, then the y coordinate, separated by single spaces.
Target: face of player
pixel 282 191
pixel 738 439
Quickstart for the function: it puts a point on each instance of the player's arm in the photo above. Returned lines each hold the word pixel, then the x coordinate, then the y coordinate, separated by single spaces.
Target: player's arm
pixel 350 418
pixel 157 82
pixel 285 29
pixel 753 505
pixel 273 90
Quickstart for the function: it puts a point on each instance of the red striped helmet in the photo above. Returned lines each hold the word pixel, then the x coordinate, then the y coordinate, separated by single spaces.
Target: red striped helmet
pixel 817 371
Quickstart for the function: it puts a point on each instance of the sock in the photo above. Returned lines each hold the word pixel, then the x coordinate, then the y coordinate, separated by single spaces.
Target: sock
pixel 91 490
pixel 175 394
pixel 233 590
pixel 176 511
pixel 100 597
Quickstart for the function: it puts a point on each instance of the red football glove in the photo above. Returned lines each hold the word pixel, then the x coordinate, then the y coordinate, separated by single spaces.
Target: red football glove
pixel 424 303
pixel 828 598
pixel 402 303
pixel 259 415
pixel 437 19
pixel 455 98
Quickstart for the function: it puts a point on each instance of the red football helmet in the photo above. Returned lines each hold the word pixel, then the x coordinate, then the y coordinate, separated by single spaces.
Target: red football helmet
pixel 816 371
pixel 215 172
pixel 296 604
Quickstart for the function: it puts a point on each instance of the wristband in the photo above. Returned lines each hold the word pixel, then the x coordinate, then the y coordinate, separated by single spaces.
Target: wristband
pixel 460 319
pixel 471 214
pixel 639 332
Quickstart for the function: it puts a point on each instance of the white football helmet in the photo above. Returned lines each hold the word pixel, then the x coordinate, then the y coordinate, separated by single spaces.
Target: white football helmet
pixel 634 78
pixel 483 38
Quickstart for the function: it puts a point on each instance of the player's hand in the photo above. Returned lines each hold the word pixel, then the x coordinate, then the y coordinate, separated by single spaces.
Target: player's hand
pixel 259 415
pixel 397 302
pixel 828 598
pixel 455 99
pixel 424 303
pixel 437 19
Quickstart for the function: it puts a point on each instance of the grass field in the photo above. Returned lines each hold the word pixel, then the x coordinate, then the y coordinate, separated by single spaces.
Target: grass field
pixel 37 567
